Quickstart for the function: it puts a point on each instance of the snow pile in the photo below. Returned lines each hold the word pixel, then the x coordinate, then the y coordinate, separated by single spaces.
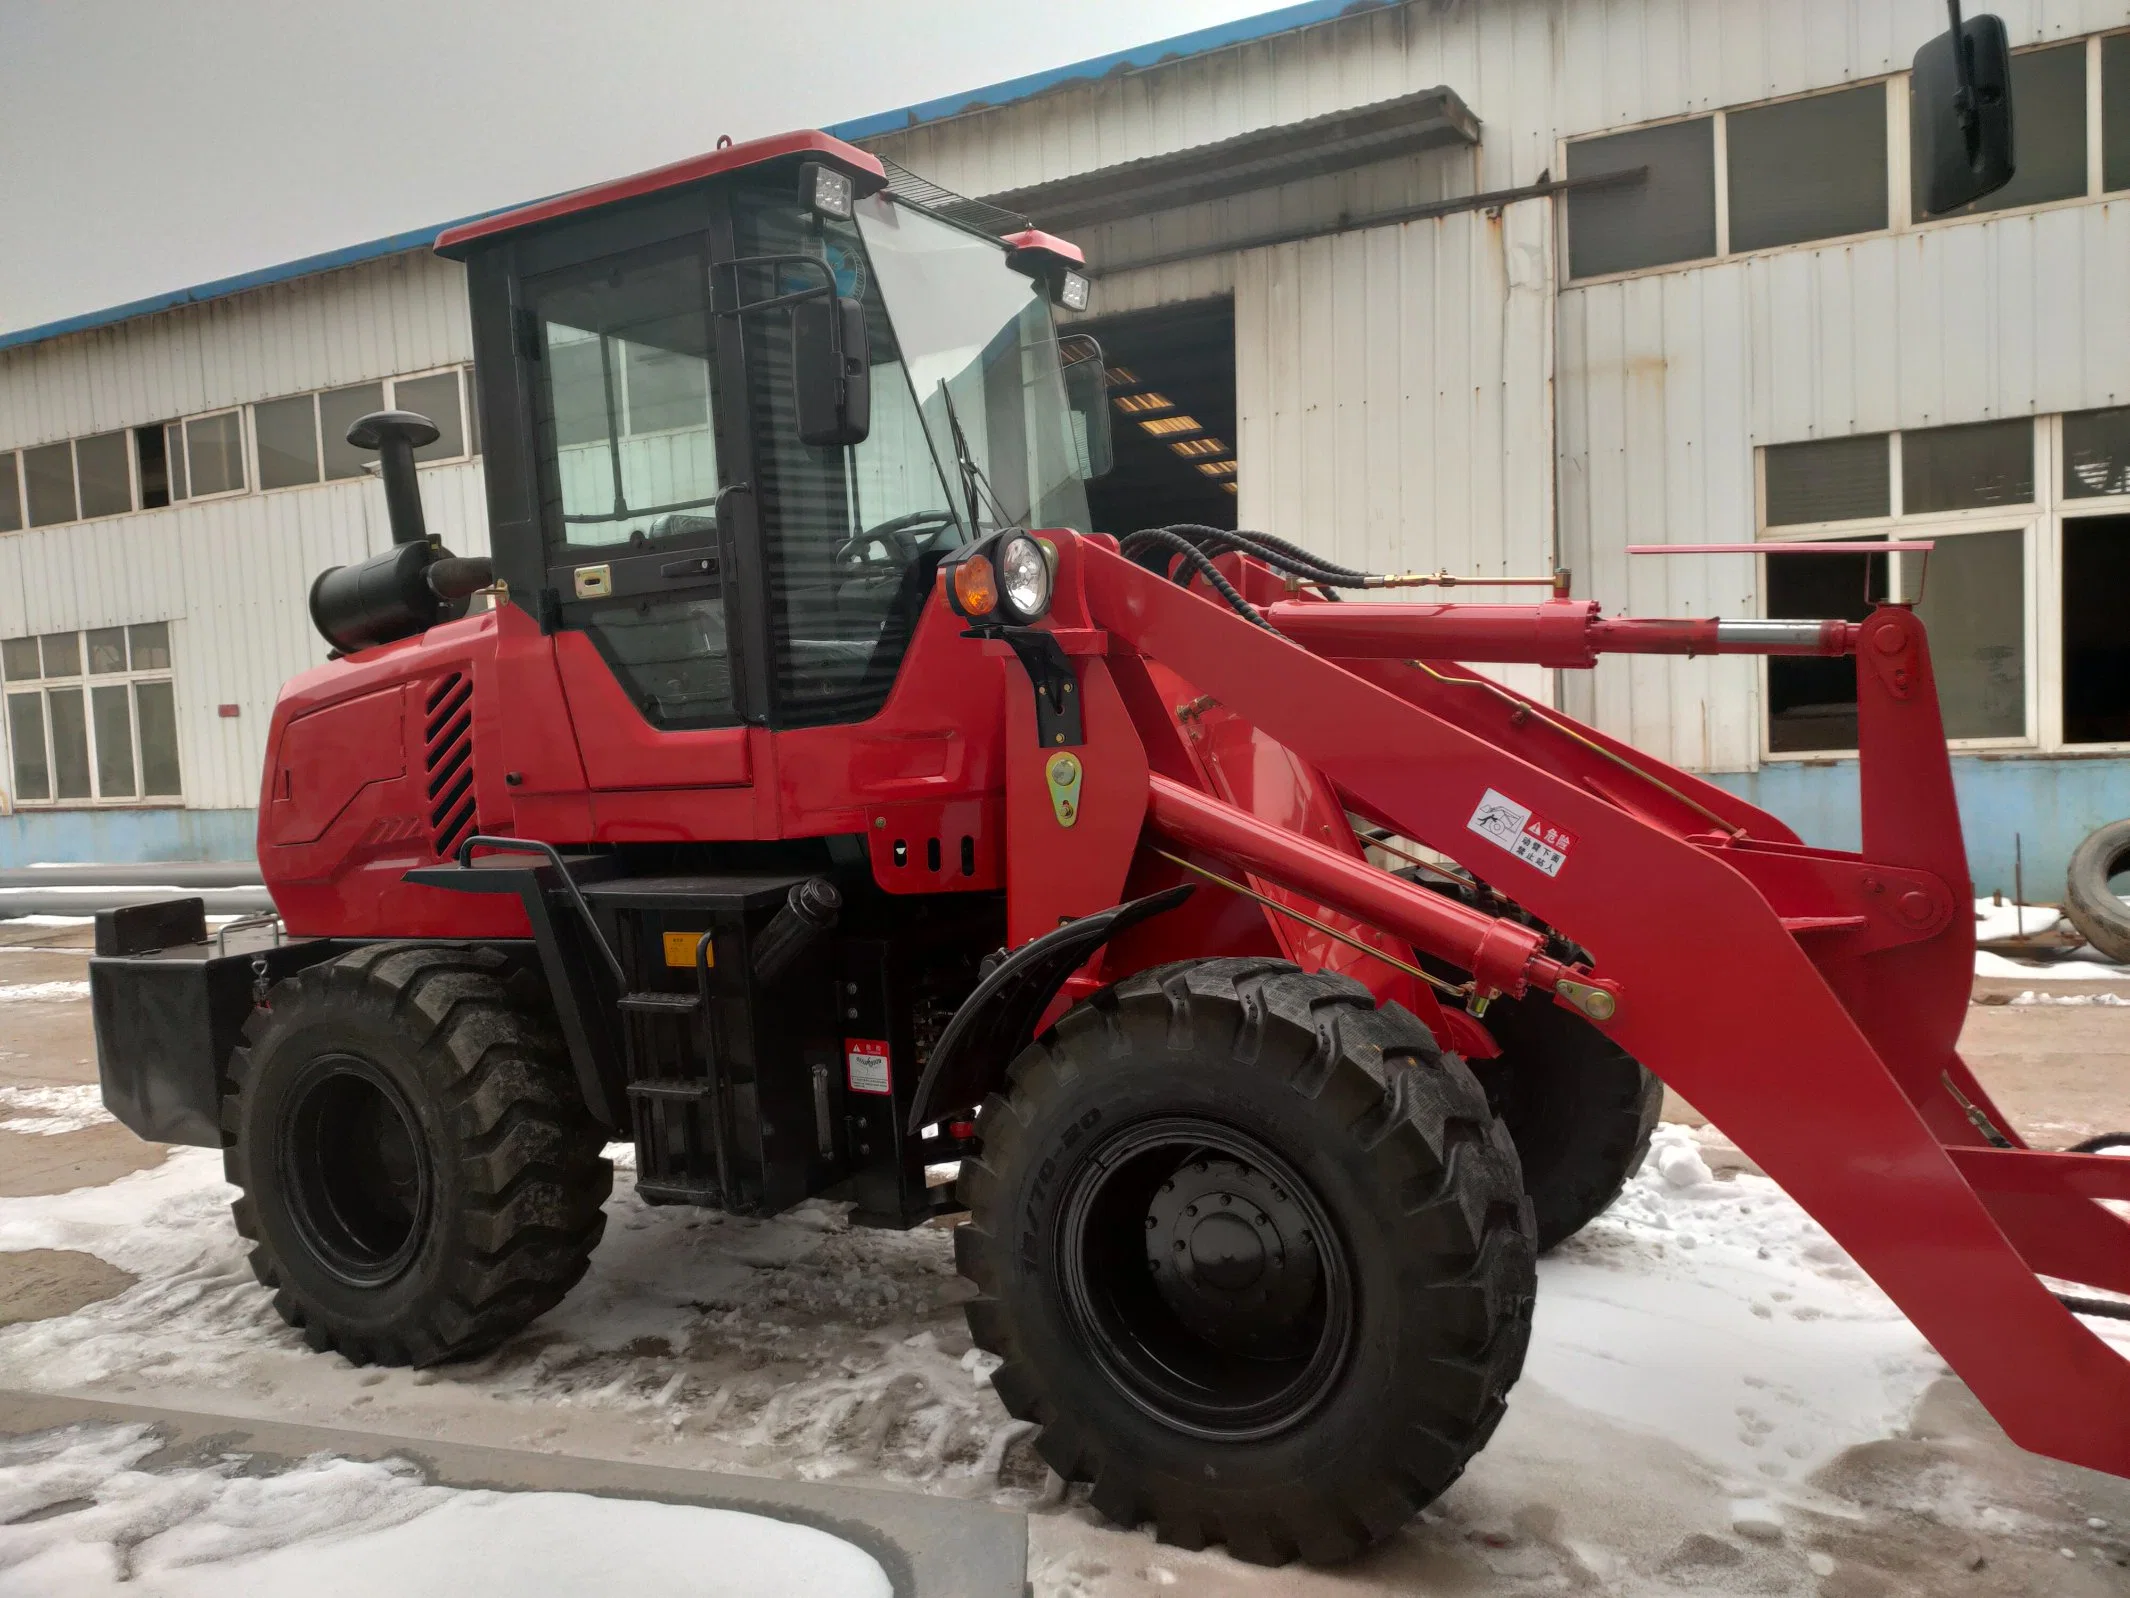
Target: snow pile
pixel 1995 921
pixel 52 1110
pixel 326 1527
pixel 42 992
pixel 2009 920
pixel 2111 1000
pixel 1718 1314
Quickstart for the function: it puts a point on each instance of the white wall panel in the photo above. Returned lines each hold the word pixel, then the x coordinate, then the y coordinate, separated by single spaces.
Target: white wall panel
pixel 232 576
pixel 404 313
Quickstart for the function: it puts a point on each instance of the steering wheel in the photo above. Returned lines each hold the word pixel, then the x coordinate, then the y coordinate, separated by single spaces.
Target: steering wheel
pixel 901 540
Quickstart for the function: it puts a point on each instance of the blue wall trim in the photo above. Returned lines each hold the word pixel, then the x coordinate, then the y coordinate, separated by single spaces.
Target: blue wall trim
pixel 33 837
pixel 2048 806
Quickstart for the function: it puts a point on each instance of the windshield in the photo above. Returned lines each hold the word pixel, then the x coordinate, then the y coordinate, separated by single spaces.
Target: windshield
pixel 981 356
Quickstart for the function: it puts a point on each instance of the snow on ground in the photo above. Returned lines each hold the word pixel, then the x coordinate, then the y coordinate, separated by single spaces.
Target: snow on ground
pixel 42 992
pixel 1995 921
pixel 80 1515
pixel 1702 1356
pixel 49 1111
pixel 2029 996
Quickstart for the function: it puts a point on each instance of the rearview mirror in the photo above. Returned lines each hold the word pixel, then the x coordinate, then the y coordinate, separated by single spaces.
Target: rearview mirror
pixel 1087 400
pixel 832 371
pixel 1962 89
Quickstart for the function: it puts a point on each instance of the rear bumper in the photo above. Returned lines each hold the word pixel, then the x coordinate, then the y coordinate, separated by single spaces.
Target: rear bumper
pixel 170 1004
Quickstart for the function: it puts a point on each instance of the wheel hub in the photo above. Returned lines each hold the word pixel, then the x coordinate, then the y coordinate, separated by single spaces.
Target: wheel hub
pixel 1234 1257
pixel 356 1169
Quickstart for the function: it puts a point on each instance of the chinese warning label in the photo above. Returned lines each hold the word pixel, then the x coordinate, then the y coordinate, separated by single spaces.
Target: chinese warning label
pixel 1532 839
pixel 867 1063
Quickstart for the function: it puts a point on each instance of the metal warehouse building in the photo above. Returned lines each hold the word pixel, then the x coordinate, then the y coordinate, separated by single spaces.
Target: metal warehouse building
pixel 1485 286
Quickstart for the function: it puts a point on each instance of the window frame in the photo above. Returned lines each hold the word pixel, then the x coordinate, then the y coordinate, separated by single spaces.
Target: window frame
pixel 1900 216
pixel 86 682
pixel 2042 523
pixel 463 372
pixel 244 454
pixel 251 443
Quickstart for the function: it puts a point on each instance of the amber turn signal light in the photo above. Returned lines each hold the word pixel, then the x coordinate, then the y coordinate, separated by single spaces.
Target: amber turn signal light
pixel 975 587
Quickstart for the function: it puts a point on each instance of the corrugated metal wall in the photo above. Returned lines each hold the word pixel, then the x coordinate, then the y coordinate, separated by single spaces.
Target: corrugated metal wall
pixel 1421 395
pixel 400 314
pixel 231 574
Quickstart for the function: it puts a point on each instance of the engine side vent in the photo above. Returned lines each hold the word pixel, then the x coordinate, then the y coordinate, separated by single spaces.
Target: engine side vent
pixel 447 746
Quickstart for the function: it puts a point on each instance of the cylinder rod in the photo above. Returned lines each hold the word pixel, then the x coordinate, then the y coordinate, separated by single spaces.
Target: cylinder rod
pixel 1568 634
pixel 1502 955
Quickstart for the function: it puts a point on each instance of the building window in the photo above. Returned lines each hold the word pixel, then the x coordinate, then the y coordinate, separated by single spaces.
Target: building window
pixel 10 494
pixel 214 453
pixel 106 474
pixel 2096 453
pixel 1807 169
pixel 48 482
pixel 1967 468
pixel 2115 112
pixel 285 432
pixel 2023 595
pixel 2096 644
pixel 2049 112
pixel 1828 480
pixel 1819 167
pixel 92 717
pixel 1667 217
pixel 338 410
pixel 152 463
pixel 436 397
pixel 304 438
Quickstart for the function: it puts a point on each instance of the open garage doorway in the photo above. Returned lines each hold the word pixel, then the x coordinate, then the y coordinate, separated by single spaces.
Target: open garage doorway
pixel 1172 399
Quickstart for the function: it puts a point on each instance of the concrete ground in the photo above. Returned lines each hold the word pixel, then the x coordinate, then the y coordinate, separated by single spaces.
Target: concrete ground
pixel 2061 1073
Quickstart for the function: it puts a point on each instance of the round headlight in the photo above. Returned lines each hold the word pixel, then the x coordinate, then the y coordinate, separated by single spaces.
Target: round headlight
pixel 1024 577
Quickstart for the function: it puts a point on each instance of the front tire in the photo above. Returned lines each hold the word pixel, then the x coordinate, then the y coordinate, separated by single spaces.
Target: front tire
pixel 1256 1256
pixel 1580 1107
pixel 420 1175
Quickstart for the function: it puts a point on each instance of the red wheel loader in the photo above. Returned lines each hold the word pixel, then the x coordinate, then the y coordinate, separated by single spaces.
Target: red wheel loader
pixel 820 797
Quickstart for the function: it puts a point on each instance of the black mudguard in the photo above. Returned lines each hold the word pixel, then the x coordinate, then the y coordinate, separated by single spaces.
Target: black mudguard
pixel 998 1018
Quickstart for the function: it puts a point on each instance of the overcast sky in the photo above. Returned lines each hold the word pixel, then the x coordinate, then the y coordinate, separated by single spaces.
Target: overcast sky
pixel 147 146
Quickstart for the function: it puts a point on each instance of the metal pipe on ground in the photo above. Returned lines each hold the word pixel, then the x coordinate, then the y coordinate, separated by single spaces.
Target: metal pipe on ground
pixel 186 874
pixel 86 901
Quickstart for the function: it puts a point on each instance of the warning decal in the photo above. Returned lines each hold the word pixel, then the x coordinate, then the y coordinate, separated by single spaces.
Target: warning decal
pixel 867 1062
pixel 1532 839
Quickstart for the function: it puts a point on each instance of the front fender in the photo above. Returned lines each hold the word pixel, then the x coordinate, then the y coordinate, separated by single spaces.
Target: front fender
pixel 998 1018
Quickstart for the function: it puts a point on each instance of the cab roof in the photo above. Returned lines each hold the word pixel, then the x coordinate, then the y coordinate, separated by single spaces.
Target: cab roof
pixel 863 167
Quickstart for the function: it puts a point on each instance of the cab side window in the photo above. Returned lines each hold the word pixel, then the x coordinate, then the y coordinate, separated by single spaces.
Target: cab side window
pixel 627 445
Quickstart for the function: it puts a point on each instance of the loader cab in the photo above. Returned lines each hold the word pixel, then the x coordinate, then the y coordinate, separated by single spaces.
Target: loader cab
pixel 679 469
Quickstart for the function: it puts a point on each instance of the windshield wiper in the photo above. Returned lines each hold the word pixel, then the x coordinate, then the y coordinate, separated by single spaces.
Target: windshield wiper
pixel 973 480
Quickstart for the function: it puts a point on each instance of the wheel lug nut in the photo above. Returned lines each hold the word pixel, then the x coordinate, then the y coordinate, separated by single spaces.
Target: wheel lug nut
pixel 1190 1209
pixel 1177 1245
pixel 1151 1223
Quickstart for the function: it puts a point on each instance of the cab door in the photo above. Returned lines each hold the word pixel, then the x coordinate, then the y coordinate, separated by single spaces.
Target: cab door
pixel 634 494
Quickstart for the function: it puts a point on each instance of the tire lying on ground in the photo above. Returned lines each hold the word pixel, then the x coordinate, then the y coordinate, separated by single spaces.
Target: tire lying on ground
pixel 2090 899
pixel 1256 1255
pixel 1580 1108
pixel 420 1175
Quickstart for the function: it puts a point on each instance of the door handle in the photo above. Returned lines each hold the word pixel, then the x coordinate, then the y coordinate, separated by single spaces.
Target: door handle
pixel 693 566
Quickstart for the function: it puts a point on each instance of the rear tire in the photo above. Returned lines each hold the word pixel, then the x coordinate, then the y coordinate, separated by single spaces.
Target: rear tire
pixel 2090 899
pixel 420 1175
pixel 1580 1107
pixel 1256 1256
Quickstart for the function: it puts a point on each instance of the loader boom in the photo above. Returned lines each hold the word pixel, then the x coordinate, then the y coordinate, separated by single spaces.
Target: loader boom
pixel 1807 1000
